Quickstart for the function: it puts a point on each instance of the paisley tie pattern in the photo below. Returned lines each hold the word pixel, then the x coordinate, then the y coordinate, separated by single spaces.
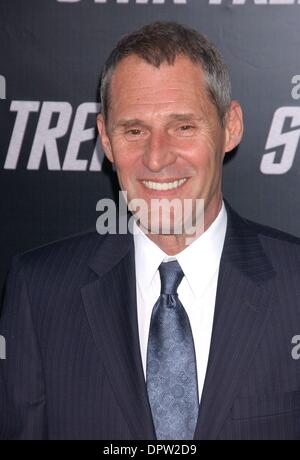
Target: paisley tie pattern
pixel 171 362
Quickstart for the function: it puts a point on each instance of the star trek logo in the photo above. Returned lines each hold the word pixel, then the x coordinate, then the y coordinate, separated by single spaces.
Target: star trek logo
pixel 2 347
pixel 284 135
pixel 52 124
pixel 296 348
pixel 283 141
pixel 138 2
pixel 254 2
pixel 2 87
pixel 184 2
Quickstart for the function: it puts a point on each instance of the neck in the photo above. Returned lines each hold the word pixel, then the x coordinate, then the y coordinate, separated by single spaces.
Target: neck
pixel 173 244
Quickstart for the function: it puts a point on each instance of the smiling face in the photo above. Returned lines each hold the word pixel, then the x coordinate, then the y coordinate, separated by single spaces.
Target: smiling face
pixel 164 135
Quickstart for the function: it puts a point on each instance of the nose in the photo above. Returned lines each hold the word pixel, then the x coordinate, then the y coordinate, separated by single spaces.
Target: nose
pixel 159 152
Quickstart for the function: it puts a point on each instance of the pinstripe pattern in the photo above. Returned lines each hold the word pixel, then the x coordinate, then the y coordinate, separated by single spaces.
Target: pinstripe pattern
pixel 73 367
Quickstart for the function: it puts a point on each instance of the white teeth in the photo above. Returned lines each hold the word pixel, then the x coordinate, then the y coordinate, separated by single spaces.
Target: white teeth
pixel 163 185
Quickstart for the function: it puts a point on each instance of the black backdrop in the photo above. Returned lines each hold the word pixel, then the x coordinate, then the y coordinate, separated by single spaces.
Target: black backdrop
pixel 51 51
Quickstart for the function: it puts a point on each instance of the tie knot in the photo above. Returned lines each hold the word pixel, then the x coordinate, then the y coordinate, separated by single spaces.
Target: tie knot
pixel 171 275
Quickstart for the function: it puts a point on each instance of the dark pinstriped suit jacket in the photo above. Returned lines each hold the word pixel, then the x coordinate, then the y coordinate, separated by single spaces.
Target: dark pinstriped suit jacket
pixel 73 367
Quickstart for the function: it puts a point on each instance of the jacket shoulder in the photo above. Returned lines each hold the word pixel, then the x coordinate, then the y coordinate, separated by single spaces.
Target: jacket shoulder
pixel 245 227
pixel 61 256
pixel 272 234
pixel 281 248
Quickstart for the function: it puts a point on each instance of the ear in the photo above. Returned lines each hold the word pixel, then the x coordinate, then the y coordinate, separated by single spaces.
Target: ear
pixel 234 126
pixel 106 145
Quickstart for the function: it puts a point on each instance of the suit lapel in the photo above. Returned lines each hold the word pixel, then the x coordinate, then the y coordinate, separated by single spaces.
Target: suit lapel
pixel 243 302
pixel 110 304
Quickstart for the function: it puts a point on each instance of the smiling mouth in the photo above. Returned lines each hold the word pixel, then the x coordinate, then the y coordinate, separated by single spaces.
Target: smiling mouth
pixel 164 185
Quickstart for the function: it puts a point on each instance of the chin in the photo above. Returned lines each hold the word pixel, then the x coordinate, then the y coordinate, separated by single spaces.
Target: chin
pixel 164 227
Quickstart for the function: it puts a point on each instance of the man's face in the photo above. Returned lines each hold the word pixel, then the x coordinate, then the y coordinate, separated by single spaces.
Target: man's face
pixel 163 133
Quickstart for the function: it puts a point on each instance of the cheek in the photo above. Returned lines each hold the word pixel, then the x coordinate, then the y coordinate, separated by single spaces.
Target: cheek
pixel 125 154
pixel 126 170
pixel 208 154
pixel 201 155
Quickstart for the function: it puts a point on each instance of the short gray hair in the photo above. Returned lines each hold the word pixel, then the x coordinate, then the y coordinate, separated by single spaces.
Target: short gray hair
pixel 162 42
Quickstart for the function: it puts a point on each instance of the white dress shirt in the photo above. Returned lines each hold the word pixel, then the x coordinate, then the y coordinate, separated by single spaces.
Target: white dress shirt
pixel 197 291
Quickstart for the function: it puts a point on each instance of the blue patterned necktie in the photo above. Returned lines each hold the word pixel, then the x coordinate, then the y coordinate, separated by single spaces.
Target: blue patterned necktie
pixel 171 362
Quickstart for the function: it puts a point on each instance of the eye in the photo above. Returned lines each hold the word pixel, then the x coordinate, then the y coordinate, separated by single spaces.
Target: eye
pixel 186 130
pixel 186 127
pixel 134 132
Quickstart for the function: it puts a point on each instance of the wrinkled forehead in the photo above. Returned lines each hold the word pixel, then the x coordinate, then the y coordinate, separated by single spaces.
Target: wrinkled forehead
pixel 133 65
pixel 135 78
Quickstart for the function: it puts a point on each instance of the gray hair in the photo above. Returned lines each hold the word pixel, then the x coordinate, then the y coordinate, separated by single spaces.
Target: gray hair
pixel 162 42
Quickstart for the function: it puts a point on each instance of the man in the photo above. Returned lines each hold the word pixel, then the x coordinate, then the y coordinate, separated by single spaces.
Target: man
pixel 160 334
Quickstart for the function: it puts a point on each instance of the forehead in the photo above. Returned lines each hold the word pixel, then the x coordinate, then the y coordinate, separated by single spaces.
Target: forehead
pixel 135 82
pixel 134 77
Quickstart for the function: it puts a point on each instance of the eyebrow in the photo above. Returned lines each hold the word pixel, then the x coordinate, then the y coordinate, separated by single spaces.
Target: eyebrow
pixel 183 116
pixel 127 123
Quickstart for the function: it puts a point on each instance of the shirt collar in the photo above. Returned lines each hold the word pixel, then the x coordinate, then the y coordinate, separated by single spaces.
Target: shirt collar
pixel 148 257
pixel 199 261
